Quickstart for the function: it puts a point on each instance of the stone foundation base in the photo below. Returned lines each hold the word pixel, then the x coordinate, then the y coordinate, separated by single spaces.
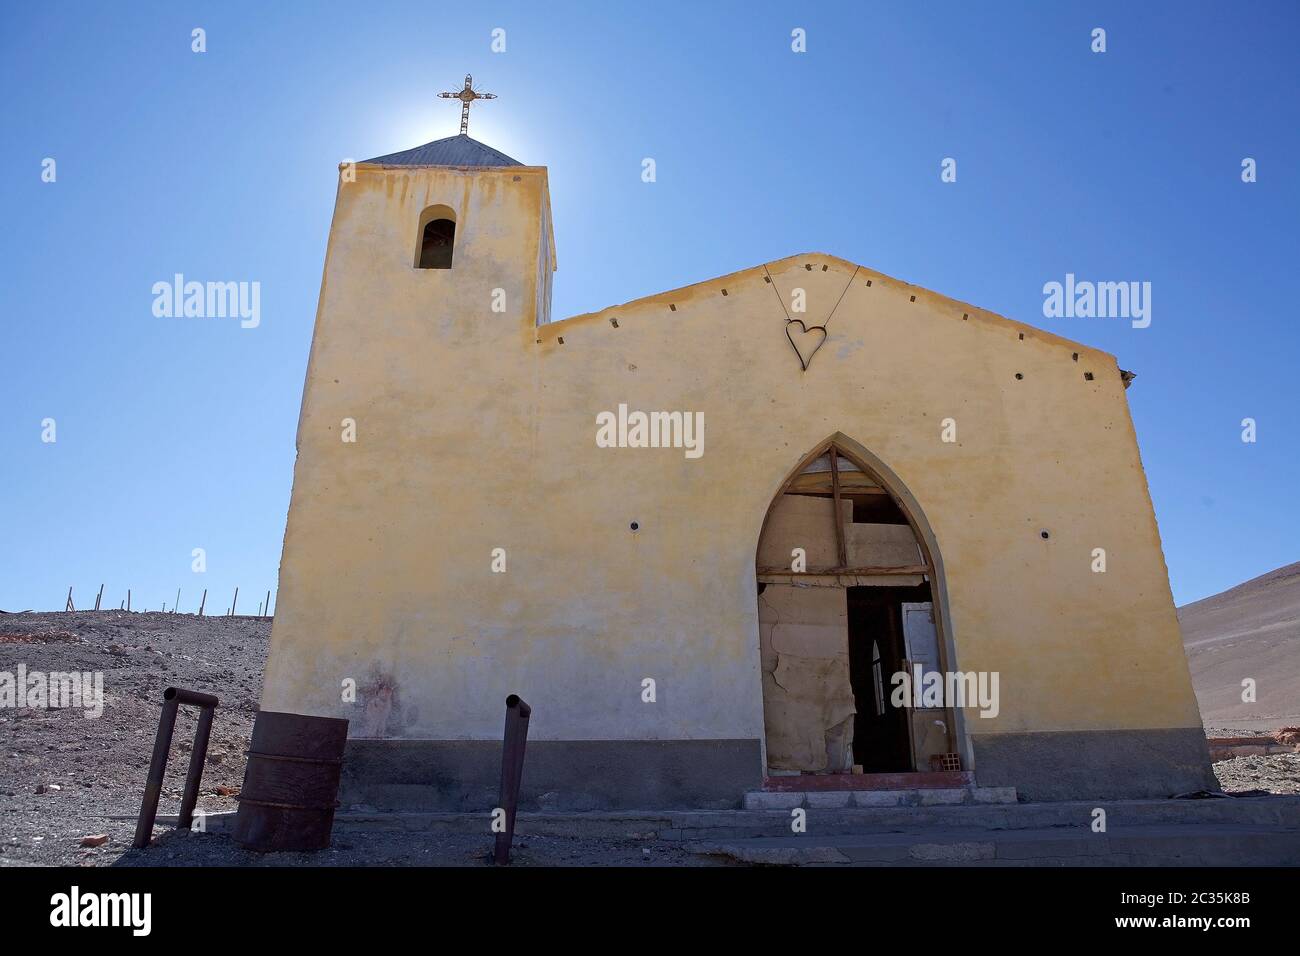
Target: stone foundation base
pixel 1096 764
pixel 465 775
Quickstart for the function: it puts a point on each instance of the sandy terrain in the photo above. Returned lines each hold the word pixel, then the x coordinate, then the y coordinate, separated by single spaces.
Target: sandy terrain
pixel 1250 631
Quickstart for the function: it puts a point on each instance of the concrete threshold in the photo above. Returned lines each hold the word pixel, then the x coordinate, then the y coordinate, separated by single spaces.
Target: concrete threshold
pixel 826 798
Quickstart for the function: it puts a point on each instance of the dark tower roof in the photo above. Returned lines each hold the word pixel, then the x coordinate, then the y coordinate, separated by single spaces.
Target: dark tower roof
pixel 452 151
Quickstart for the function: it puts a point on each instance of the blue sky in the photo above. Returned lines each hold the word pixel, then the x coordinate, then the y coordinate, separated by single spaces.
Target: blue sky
pixel 174 434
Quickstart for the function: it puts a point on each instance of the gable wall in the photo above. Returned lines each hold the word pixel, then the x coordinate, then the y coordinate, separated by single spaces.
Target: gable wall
pixel 477 431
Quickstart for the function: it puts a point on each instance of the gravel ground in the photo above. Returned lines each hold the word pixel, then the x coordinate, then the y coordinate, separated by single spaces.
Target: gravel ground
pixel 64 776
pixel 397 848
pixel 1273 773
pixel 1214 731
pixel 1270 773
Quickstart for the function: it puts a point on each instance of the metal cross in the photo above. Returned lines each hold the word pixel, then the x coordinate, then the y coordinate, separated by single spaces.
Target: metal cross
pixel 467 96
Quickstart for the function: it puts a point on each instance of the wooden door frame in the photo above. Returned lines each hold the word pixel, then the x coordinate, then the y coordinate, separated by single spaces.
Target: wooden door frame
pixel 869 464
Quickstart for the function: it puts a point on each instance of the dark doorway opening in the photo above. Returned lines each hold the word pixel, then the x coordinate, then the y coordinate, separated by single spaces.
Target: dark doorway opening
pixel 882 740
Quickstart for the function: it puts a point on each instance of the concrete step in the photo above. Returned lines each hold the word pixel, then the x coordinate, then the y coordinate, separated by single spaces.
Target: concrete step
pixel 910 797
pixel 1187 844
pixel 1275 812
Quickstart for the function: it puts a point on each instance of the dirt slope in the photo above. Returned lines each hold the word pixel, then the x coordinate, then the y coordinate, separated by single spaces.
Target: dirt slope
pixel 64 776
pixel 1250 631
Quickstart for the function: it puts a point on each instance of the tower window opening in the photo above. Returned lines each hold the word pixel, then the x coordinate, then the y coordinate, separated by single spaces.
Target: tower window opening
pixel 437 243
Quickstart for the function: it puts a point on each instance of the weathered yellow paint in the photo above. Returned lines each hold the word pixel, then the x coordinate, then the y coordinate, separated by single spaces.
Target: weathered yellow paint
pixel 476 430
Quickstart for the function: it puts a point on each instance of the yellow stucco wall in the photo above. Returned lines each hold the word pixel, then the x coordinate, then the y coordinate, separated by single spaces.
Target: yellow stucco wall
pixel 476 430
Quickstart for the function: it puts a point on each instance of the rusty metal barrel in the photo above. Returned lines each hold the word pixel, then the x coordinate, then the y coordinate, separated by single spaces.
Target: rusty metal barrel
pixel 291 782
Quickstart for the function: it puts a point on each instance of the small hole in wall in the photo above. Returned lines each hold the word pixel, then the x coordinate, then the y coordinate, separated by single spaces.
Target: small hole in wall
pixel 1019 376
pixel 808 266
pixel 561 339
pixel 913 298
pixel 1087 376
pixel 767 279
pixel 1044 534
pixel 824 268
pixel 635 526
pixel 672 308
pixel 517 178
pixel 1075 356
pixel 613 321
pixel 868 282
pixel 1022 336
pixel 965 316
pixel 724 291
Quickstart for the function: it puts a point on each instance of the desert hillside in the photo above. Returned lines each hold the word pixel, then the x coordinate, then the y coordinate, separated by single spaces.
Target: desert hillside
pixel 1252 630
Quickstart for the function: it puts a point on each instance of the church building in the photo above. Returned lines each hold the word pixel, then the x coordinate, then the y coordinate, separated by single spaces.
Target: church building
pixel 802 526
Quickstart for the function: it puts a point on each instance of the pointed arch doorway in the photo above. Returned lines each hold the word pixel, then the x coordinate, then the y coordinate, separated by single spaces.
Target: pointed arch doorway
pixel 851 593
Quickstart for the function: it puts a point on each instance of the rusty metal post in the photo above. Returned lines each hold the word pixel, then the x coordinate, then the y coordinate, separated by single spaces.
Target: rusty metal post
pixel 173 697
pixel 157 767
pixel 512 771
pixel 198 756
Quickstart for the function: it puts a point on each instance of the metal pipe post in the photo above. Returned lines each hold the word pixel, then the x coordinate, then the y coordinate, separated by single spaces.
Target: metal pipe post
pixel 157 767
pixel 512 771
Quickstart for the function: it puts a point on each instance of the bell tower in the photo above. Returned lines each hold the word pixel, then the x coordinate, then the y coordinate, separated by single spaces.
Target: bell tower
pixel 438 264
